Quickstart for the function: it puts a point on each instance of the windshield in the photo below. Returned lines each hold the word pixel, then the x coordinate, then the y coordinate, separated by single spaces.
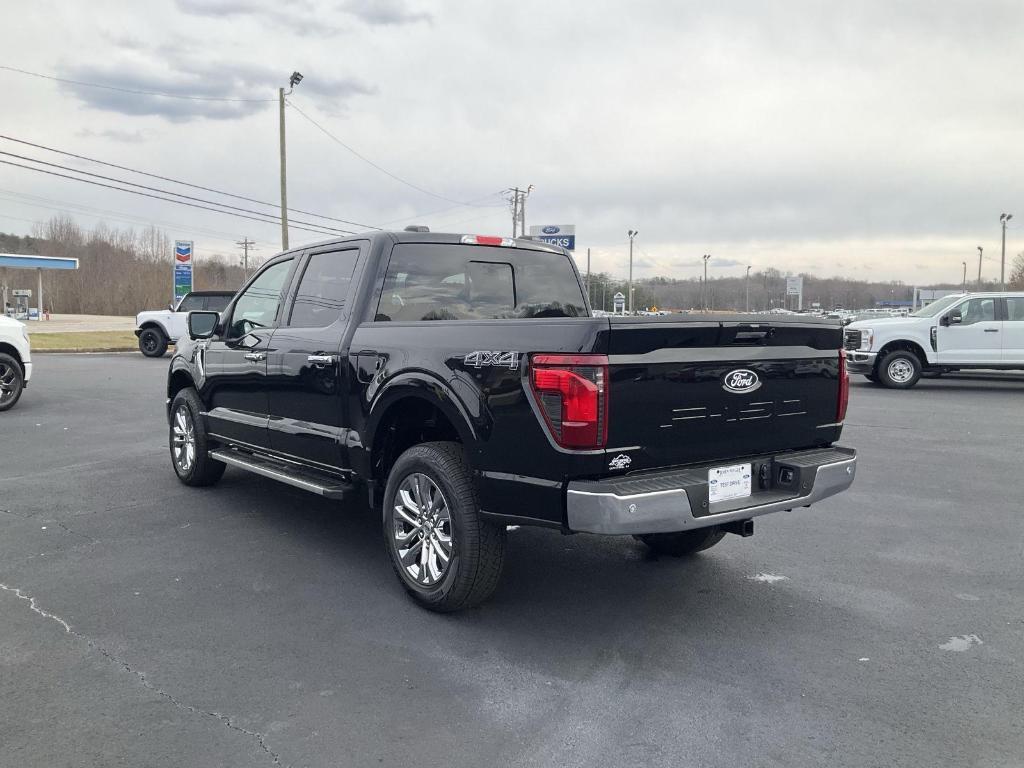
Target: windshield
pixel 936 306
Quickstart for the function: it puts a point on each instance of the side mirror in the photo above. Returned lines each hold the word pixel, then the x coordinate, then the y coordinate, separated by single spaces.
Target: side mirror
pixel 955 317
pixel 202 325
pixel 171 306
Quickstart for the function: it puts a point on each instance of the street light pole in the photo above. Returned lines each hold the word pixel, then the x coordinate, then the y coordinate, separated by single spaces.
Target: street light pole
pixel 1002 263
pixel 965 277
pixel 294 80
pixel 748 288
pixel 704 293
pixel 980 250
pixel 632 233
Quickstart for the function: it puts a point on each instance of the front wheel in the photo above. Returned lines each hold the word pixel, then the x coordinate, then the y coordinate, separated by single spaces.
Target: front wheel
pixel 152 342
pixel 12 381
pixel 682 542
pixel 899 369
pixel 190 452
pixel 446 556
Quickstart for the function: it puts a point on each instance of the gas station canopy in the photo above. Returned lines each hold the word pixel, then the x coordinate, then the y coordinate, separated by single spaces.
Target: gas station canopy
pixel 38 263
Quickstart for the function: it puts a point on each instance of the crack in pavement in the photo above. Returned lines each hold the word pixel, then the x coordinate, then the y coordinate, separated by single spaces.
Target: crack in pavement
pixel 224 719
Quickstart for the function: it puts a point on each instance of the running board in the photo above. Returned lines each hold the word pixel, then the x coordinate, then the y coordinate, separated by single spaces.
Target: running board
pixel 315 482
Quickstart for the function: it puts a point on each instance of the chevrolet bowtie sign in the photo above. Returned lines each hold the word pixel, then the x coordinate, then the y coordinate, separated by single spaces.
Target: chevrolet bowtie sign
pixel 555 234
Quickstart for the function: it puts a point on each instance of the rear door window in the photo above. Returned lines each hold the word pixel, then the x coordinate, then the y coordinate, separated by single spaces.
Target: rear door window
pixel 465 282
pixel 323 291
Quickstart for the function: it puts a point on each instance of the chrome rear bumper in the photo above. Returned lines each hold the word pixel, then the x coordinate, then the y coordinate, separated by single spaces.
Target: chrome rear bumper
pixel 664 502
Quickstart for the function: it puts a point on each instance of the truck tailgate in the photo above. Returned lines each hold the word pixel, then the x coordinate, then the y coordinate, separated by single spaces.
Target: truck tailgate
pixel 706 388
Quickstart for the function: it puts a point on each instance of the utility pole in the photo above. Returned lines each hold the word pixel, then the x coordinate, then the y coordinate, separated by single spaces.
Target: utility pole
pixel 704 293
pixel 522 210
pixel 979 267
pixel 245 244
pixel 294 80
pixel 1002 263
pixel 515 211
pixel 631 234
pixel 588 273
pixel 748 288
pixel 965 277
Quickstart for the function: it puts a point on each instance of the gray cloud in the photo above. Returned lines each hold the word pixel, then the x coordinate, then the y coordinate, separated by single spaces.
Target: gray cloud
pixel 114 134
pixel 222 90
pixel 301 16
pixel 385 12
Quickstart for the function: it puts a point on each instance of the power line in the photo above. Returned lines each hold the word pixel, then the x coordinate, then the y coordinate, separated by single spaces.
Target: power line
pixel 157 197
pixel 369 162
pixel 63 206
pixel 178 181
pixel 162 94
pixel 168 192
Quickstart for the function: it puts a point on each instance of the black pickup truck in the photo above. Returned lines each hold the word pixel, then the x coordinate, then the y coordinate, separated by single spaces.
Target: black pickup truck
pixel 461 380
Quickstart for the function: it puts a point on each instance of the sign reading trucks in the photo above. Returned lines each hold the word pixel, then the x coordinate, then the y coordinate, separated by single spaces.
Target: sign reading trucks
pixel 555 234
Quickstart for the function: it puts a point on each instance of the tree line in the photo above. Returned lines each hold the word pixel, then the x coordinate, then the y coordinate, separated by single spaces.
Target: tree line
pixel 120 271
pixel 124 271
pixel 767 290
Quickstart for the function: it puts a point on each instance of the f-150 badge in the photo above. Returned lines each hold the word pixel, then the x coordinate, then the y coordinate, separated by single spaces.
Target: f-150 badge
pixel 497 359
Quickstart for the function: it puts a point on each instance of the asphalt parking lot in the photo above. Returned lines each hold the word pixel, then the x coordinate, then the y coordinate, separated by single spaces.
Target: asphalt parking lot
pixel 144 623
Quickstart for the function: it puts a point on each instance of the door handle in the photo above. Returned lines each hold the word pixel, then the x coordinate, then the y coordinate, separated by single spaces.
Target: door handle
pixel 991 330
pixel 322 360
pixel 256 356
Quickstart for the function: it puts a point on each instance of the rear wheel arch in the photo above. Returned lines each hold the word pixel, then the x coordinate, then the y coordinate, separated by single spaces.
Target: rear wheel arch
pixel 409 416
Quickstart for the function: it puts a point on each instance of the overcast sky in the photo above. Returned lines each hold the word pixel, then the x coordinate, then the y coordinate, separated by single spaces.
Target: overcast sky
pixel 878 140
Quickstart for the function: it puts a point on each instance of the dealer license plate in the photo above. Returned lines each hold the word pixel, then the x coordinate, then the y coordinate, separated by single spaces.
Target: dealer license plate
pixel 727 483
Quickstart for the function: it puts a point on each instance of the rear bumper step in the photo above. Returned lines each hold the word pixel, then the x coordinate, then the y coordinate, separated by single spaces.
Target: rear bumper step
pixel 676 500
pixel 314 482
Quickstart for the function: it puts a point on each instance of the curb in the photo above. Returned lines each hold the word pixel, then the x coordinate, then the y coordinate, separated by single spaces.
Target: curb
pixel 86 350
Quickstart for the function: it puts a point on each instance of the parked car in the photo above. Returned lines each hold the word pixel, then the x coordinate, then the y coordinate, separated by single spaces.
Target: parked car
pixel 156 329
pixel 15 361
pixel 462 381
pixel 960 332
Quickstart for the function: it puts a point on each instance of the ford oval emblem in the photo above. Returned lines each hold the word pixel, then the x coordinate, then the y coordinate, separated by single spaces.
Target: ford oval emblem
pixel 741 381
pixel 551 230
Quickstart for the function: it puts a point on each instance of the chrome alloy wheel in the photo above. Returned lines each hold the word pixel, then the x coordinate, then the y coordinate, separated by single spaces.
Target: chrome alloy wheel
pixel 183 439
pixel 900 370
pixel 8 383
pixel 422 529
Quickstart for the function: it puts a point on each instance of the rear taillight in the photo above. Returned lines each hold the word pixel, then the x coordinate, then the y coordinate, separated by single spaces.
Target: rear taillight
pixel 572 392
pixel 844 387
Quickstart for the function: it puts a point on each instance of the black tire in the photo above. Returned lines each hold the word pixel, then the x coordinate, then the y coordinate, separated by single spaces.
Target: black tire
pixel 682 542
pixel 900 369
pixel 152 342
pixel 12 381
pixel 476 552
pixel 201 469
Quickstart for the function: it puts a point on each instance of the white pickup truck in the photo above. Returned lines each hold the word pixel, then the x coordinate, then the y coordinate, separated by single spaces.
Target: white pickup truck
pixel 15 361
pixel 156 329
pixel 968 331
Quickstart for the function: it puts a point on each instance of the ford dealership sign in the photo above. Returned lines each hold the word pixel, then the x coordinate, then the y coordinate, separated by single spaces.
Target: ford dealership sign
pixel 555 234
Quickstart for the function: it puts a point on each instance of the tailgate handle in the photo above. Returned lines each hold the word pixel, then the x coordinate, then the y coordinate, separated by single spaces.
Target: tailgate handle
pixel 749 333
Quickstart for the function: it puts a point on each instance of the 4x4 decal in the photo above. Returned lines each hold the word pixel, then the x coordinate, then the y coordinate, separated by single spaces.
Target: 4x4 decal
pixel 497 358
